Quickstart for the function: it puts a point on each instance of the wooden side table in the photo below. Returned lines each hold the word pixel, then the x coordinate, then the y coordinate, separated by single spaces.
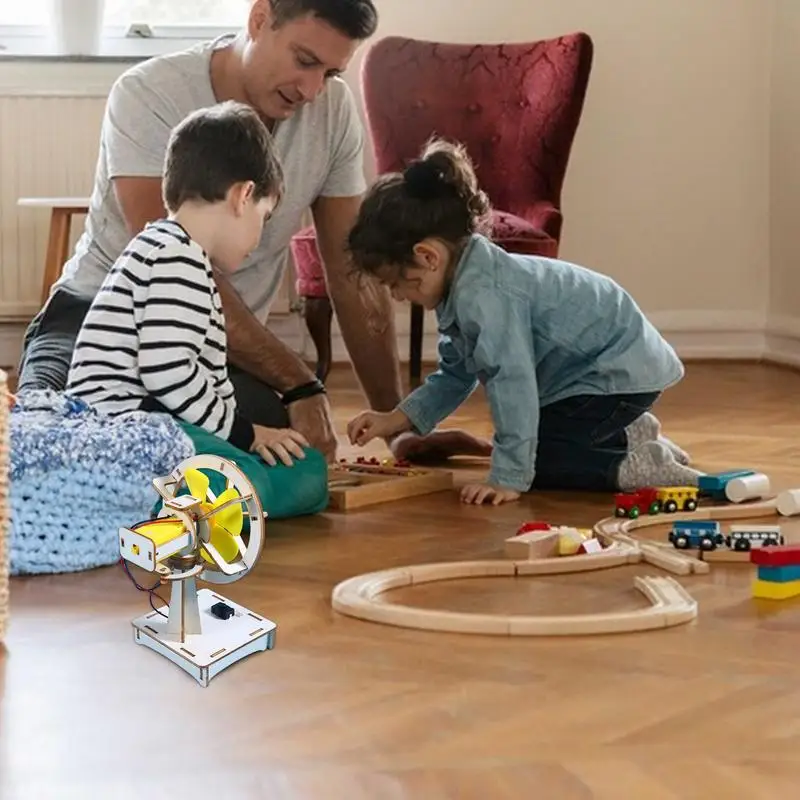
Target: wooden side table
pixel 62 210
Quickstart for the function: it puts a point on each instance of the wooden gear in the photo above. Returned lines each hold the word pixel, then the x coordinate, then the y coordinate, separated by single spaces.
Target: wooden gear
pixel 671 603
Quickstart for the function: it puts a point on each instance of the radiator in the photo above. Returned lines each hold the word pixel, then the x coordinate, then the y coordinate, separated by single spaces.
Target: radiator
pixel 48 148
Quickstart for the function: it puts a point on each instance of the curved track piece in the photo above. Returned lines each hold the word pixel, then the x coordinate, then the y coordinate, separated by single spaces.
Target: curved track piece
pixel 358 597
pixel 662 554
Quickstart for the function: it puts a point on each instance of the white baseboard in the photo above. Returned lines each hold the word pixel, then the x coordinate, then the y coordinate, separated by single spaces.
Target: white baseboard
pixel 694 335
pixel 782 340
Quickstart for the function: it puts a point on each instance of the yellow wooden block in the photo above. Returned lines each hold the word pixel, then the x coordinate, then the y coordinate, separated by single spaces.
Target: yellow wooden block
pixel 770 590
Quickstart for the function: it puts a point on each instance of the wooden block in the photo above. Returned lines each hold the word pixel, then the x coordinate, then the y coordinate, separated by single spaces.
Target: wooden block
pixel 536 544
pixel 766 590
pixel 788 502
pixel 356 486
pixel 779 574
pixel 784 555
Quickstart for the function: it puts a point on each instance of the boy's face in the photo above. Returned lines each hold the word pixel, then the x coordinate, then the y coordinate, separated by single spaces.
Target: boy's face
pixel 243 231
pixel 288 67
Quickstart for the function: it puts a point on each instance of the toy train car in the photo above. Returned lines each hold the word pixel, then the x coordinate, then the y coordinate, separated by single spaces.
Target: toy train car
pixel 713 486
pixel 707 535
pixel 700 534
pixel 747 537
pixel 655 499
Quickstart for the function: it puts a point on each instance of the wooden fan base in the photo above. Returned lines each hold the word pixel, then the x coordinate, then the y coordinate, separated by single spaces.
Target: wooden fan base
pixel 671 604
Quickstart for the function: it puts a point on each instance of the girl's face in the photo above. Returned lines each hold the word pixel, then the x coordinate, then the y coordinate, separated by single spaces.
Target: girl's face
pixel 425 281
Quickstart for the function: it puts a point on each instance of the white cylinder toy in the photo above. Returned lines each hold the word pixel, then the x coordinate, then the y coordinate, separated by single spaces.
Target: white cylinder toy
pixel 749 487
pixel 788 502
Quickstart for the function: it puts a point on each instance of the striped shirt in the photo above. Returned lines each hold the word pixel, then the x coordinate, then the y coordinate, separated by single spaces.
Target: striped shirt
pixel 154 337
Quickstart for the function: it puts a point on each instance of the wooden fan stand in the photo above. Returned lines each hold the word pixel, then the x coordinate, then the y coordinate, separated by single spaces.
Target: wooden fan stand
pixel 671 604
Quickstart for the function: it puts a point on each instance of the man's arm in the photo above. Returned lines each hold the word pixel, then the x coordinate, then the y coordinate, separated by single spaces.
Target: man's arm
pixel 139 200
pixel 251 346
pixel 363 309
pixel 256 349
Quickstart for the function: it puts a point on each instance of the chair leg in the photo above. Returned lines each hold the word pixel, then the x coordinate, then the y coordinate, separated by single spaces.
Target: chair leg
pixel 318 314
pixel 415 346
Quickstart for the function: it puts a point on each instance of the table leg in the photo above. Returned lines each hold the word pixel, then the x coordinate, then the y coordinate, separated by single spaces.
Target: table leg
pixel 57 249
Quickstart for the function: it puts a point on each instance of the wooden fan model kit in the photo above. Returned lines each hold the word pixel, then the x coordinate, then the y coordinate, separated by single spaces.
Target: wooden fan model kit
pixel 535 551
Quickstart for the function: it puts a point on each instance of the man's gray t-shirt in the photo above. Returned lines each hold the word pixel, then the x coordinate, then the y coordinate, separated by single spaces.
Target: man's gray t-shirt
pixel 320 149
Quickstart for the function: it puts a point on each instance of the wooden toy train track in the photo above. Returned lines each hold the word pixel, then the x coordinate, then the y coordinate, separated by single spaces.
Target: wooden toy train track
pixel 671 604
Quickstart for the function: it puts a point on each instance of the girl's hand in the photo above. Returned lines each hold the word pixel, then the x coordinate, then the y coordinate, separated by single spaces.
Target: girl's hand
pixel 281 442
pixel 369 425
pixel 478 493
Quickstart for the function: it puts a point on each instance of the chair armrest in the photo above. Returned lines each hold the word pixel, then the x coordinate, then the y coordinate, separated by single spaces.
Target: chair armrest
pixel 545 216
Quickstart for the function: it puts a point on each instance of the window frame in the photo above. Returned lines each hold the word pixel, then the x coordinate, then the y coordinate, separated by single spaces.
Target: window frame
pixel 117 41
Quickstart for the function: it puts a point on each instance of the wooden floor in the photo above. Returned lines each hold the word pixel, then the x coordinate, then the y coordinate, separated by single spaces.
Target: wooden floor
pixel 348 709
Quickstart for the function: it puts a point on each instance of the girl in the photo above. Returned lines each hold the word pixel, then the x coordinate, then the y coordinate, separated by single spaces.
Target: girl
pixel 569 363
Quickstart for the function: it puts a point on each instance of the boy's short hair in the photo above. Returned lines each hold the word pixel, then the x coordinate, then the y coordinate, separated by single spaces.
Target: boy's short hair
pixel 212 149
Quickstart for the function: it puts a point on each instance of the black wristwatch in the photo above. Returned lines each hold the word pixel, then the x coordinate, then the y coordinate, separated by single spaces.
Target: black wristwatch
pixel 303 391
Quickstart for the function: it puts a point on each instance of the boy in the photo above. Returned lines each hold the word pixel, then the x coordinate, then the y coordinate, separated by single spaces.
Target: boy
pixel 154 338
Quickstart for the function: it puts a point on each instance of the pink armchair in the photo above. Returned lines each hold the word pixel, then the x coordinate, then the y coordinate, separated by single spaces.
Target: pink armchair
pixel 516 107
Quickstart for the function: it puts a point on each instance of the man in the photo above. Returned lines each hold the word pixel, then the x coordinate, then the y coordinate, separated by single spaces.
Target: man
pixel 287 64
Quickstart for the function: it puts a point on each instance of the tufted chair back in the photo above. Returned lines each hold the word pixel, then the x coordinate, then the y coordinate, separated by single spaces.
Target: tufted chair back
pixel 516 108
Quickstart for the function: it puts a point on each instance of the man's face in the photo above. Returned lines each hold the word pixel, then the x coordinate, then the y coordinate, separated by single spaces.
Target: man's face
pixel 288 66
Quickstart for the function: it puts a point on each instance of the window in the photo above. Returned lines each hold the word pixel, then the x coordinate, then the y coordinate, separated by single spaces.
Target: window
pixel 188 13
pixel 185 13
pixel 161 25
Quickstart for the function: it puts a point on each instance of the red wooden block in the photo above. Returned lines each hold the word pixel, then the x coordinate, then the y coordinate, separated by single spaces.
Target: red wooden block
pixel 533 525
pixel 784 555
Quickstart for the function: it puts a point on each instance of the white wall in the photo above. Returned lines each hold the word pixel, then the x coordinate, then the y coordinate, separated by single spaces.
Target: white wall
pixel 785 178
pixel 668 185
pixel 668 188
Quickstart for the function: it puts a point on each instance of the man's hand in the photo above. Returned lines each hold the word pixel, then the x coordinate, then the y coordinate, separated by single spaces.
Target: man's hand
pixel 438 446
pixel 311 416
pixel 478 493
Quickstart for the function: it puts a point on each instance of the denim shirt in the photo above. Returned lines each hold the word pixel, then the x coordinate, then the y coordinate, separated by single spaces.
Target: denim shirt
pixel 533 331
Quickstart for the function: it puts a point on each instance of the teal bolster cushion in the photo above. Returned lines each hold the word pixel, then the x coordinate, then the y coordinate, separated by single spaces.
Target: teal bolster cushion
pixel 284 491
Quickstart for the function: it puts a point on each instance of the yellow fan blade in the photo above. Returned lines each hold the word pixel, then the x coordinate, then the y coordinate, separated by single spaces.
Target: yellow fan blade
pixel 230 518
pixel 197 483
pixel 224 543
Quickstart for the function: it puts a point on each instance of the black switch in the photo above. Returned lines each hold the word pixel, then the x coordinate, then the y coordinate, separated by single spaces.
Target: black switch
pixel 222 610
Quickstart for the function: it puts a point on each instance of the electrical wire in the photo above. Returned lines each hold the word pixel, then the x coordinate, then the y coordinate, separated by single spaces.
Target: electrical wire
pixel 151 591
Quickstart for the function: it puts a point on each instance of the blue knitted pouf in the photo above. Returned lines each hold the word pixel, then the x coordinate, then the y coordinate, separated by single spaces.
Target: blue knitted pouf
pixel 78 475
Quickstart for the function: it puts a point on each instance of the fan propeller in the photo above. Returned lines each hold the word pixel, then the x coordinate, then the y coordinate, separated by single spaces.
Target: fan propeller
pixel 225 524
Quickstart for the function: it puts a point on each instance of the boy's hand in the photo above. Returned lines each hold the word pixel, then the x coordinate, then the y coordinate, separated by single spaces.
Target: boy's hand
pixel 478 493
pixel 369 425
pixel 281 442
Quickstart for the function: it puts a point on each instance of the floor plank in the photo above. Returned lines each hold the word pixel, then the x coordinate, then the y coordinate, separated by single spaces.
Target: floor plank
pixel 350 709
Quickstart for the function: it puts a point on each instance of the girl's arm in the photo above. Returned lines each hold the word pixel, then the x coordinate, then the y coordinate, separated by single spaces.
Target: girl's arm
pixel 499 326
pixel 441 393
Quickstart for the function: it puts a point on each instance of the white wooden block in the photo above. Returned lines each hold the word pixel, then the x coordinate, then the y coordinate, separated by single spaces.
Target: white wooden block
pixel 789 502
pixel 749 487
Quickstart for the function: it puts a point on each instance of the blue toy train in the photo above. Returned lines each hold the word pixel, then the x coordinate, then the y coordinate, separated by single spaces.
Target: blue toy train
pixel 707 535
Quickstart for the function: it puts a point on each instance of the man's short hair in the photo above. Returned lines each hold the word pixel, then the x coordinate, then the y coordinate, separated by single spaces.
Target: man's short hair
pixel 356 19
pixel 214 148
